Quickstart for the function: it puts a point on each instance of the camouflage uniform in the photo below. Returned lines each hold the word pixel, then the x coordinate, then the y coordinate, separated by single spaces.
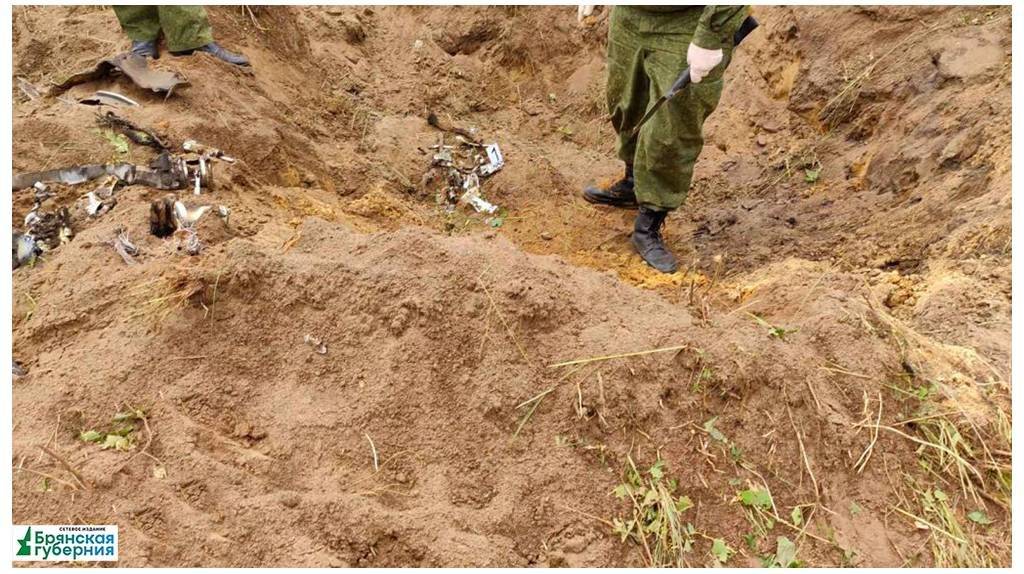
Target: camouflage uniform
pixel 185 27
pixel 646 52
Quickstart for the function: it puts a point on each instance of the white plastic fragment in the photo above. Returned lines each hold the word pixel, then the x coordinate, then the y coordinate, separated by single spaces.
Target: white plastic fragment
pixel 319 346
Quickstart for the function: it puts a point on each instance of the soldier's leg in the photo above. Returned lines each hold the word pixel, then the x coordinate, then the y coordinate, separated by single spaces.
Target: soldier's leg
pixel 626 93
pixel 670 143
pixel 187 30
pixel 140 23
pixel 627 88
pixel 185 27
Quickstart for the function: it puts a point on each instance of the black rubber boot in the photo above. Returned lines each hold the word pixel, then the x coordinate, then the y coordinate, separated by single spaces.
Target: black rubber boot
pixel 618 194
pixel 144 49
pixel 219 52
pixel 648 242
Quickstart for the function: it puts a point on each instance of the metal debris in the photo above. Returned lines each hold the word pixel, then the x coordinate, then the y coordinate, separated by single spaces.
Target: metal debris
pixel 30 91
pixel 445 126
pixel 106 98
pixel 161 217
pixel 136 68
pixel 128 173
pixel 463 165
pixel 193 246
pixel 186 217
pixel 472 195
pixel 41 192
pixel 93 204
pixel 49 230
pixel 186 220
pixel 69 176
pixel 224 213
pixel 167 171
pixel 319 346
pixel 139 135
pixel 198 148
pixel 17 370
pixel 102 199
pixel 124 247
pixel 107 188
pixel 23 249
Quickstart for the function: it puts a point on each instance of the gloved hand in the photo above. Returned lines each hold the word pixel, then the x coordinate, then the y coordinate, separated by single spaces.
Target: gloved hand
pixel 701 61
pixel 583 10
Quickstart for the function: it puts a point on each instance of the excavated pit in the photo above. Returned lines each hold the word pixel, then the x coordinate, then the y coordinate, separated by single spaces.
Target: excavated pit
pixel 846 294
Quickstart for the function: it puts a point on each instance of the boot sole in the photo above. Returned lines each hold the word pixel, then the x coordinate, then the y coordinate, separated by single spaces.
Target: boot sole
pixel 595 201
pixel 194 52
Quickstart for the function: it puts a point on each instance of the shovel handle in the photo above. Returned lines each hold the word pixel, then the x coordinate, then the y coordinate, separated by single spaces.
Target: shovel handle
pixel 748 26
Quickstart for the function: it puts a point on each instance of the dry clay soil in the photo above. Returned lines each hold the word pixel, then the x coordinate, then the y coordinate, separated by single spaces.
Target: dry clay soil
pixel 844 299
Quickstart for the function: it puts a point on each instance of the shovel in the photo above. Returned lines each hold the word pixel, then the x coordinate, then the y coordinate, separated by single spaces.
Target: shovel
pixel 748 26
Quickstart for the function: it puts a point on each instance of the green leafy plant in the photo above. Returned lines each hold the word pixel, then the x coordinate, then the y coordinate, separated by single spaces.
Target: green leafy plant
pixel 120 434
pixel 655 521
pixel 759 508
pixel 734 451
pixel 755 498
pixel 784 557
pixel 709 427
pixel 979 517
pixel 797 516
pixel 774 331
pixel 721 551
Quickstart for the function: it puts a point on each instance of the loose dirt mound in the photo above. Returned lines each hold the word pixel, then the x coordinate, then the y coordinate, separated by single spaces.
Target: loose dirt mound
pixel 831 368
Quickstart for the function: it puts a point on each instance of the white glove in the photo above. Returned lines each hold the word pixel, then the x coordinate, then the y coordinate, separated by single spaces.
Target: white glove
pixel 582 11
pixel 701 61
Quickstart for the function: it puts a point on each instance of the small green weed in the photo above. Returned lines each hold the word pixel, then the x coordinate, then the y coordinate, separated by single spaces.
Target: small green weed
pixel 774 331
pixel 721 551
pixel 759 508
pixel 655 522
pixel 121 433
pixel 784 557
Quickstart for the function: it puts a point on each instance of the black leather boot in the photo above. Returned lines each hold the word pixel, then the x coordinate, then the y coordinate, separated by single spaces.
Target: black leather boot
pixel 648 242
pixel 144 49
pixel 219 52
pixel 618 194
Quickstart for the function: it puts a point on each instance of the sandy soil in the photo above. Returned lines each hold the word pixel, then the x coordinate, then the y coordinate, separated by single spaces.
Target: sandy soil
pixel 844 310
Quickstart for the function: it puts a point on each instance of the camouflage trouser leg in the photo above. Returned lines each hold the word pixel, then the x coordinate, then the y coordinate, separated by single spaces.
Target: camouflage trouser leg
pixel 184 27
pixel 641 67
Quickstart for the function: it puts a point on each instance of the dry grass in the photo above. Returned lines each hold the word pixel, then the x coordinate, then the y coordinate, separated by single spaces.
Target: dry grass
pixel 955 541
pixel 843 104
pixel 957 404
pixel 164 296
